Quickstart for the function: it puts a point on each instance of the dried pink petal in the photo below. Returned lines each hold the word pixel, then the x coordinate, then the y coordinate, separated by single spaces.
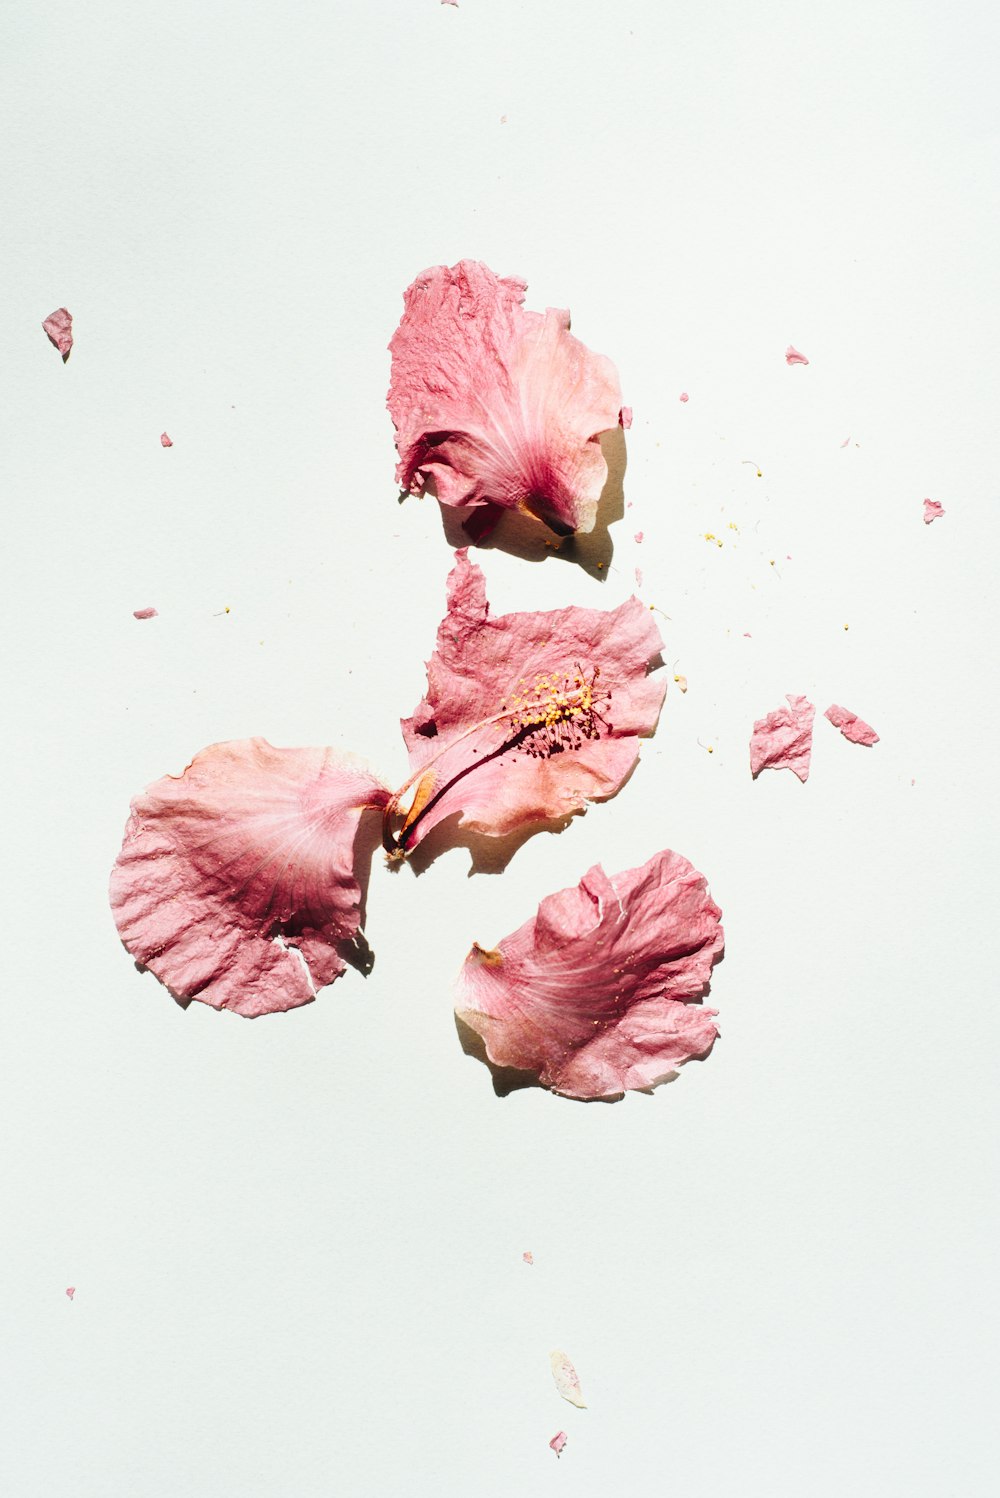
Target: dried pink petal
pixel 851 726
pixel 496 406
pixel 684 397
pixel 558 1441
pixel 70 1291
pixel 239 882
pixel 783 740
pixel 625 417
pixel 846 440
pixel 165 440
pixel 637 572
pixel 598 994
pixel 566 1379
pixel 145 613
pixel 528 1257
pixel 526 717
pixel 59 329
pixel 792 356
pixel 932 511
pixel 638 538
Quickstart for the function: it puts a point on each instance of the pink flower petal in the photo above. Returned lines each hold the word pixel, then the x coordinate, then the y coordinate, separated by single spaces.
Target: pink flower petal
pixel 239 882
pixel 567 1381
pixel 932 511
pixel 558 1441
pixel 528 1257
pixel 783 740
pixel 165 440
pixel 497 406
pixel 527 717
pixel 59 328
pixel 145 613
pixel 792 356
pixel 684 397
pixel 625 417
pixel 638 538
pixel 598 994
pixel 71 1291
pixel 851 726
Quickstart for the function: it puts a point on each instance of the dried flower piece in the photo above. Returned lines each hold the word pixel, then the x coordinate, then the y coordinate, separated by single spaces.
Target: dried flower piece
pixel 783 739
pixel 145 613
pixel 932 510
pixel 528 716
pixel 239 882
pixel 58 327
pixel 165 441
pixel 792 356
pixel 566 1379
pixel 558 1441
pixel 851 726
pixel 599 993
pixel 497 407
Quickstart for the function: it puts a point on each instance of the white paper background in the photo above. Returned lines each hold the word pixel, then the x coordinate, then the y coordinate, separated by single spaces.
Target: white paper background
pixel 297 1242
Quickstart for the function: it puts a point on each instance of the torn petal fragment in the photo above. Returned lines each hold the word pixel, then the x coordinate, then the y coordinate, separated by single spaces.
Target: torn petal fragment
pixel 932 510
pixel 59 330
pixel 567 1381
pixel 496 406
pixel 528 716
pixel 783 739
pixel 145 613
pixel 558 1441
pixel 599 993
pixel 851 726
pixel 240 881
pixel 792 356
pixel 625 417
pixel 165 441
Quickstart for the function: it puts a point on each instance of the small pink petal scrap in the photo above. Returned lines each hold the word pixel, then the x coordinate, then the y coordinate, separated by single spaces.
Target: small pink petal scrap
pixel 600 992
pixel 684 397
pixel 145 613
pixel 566 1379
pixel 528 1257
pixel 638 538
pixel 165 440
pixel 59 330
pixel 783 739
pixel 70 1291
pixel 239 882
pixel 625 417
pixel 932 510
pixel 792 356
pixel 558 1441
pixel 497 408
pixel 851 726
pixel 526 717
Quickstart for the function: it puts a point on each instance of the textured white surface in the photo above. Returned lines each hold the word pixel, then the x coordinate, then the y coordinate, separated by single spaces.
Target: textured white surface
pixel 777 1273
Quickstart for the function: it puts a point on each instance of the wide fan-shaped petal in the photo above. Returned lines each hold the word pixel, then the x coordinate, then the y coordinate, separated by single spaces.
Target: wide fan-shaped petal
pixel 239 881
pixel 597 994
pixel 528 716
pixel 782 740
pixel 496 406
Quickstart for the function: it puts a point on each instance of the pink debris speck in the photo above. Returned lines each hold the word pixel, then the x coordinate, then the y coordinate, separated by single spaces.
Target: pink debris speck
pixel 638 538
pixel 165 441
pixel 684 397
pixel 558 1441
pixel 528 1257
pixel 70 1291
pixel 638 577
pixel 846 440
pixel 783 739
pixel 792 356
pixel 58 327
pixel 932 511
pixel 625 417
pixel 145 613
pixel 855 729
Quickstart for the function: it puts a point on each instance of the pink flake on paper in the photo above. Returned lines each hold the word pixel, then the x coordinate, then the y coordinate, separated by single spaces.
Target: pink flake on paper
pixel 851 726
pixel 792 356
pixel 846 441
pixel 637 572
pixel 932 510
pixel 70 1291
pixel 684 397
pixel 145 613
pixel 528 1257
pixel 638 538
pixel 625 417
pixel 783 739
pixel 495 407
pixel 566 1379
pixel 165 440
pixel 240 881
pixel 558 1441
pixel 527 716
pixel 599 993
pixel 59 330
